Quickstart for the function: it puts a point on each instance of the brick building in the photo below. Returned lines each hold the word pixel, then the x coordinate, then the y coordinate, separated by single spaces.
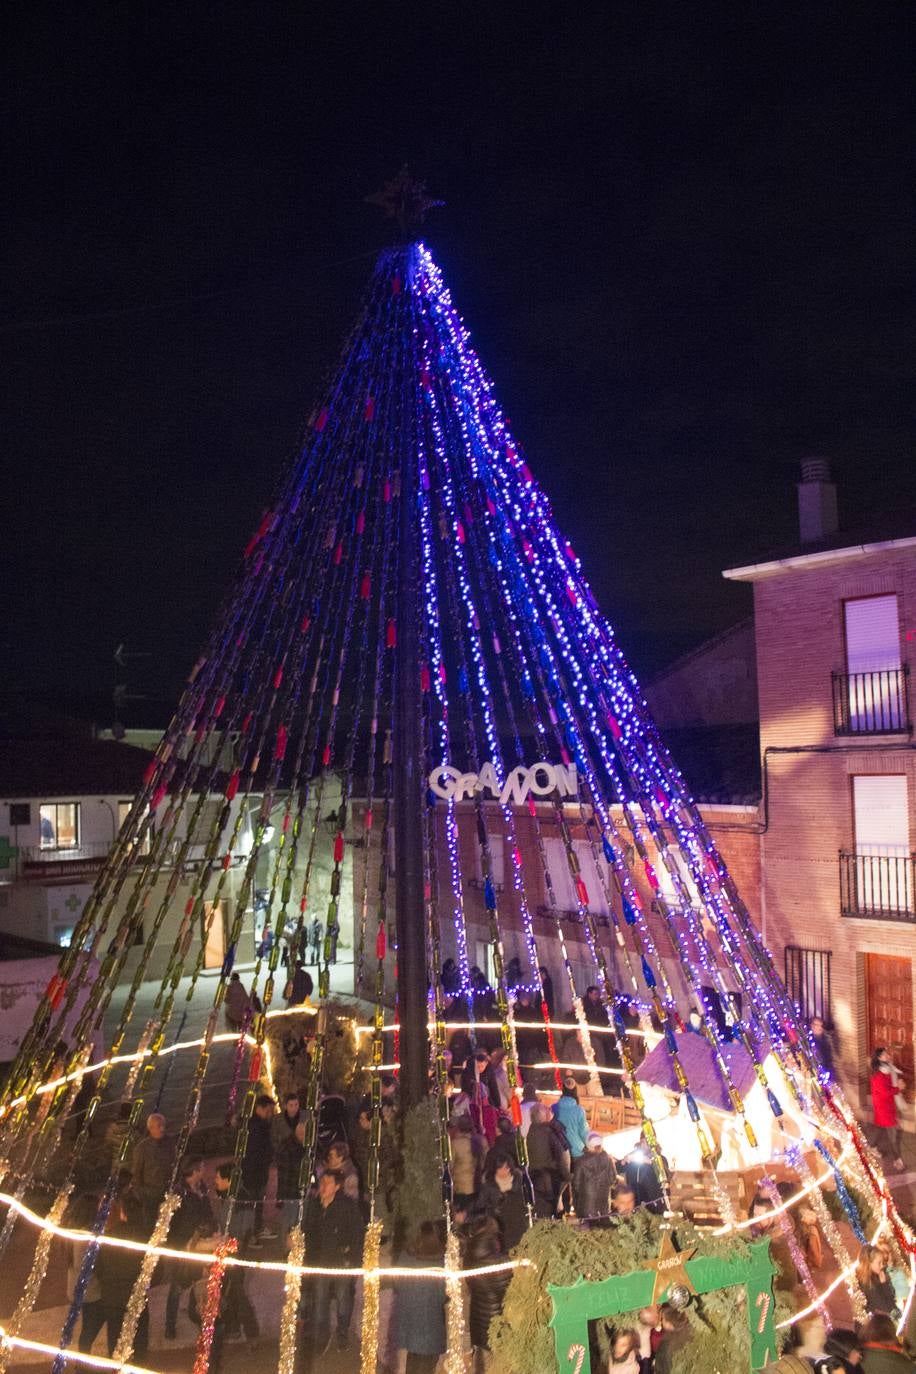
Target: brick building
pixel 835 622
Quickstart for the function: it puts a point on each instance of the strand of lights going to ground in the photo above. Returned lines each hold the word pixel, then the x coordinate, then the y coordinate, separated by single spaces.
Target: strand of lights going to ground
pixel 89 1361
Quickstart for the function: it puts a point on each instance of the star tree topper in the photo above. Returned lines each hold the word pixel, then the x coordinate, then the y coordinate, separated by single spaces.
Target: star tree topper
pixel 670 1267
pixel 404 199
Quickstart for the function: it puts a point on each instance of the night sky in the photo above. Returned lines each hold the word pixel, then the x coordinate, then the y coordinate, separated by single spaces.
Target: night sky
pixel 681 236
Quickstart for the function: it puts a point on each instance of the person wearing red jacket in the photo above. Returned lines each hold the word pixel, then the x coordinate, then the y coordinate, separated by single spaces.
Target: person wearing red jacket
pixel 884 1089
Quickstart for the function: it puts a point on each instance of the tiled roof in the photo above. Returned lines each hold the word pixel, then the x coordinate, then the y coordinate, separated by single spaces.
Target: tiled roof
pixel 70 767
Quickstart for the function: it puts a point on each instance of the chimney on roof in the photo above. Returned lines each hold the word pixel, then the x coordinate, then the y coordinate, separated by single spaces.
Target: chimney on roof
pixel 817 512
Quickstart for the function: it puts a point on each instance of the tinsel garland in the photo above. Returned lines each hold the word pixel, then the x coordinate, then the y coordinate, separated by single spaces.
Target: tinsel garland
pixel 210 1311
pixel 140 1291
pixel 726 1206
pixel 588 1049
pixel 292 1289
pixel 796 1158
pixel 142 1046
pixel 85 1274
pixel 454 1290
pixel 368 1348
pixel 237 1064
pixel 37 1273
pixel 784 1222
pixel 869 1166
pixel 846 1199
pixel 551 1043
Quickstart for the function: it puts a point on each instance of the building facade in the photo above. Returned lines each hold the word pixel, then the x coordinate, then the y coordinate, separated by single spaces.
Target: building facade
pixel 835 626
pixel 62 804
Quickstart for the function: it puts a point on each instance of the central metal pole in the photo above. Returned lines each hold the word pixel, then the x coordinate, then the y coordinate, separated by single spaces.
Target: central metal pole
pixel 409 792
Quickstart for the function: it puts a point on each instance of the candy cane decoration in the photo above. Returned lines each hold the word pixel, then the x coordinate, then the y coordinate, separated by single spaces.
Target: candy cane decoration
pixel 763 1304
pixel 577 1353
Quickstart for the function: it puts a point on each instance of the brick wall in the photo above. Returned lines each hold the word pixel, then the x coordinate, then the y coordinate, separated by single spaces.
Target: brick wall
pixel 808 773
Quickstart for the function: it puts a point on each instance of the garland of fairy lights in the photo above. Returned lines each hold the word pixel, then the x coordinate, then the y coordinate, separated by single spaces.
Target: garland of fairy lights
pixel 294 687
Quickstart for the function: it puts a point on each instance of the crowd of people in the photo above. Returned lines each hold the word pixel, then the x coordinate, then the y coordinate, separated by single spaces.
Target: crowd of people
pixel 570 1175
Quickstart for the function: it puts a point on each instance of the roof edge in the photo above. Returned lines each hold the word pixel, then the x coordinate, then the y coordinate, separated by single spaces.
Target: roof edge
pixel 757 572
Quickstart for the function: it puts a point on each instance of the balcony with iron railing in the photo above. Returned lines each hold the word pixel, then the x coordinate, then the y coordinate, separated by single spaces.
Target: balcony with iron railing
pixel 69 861
pixel 878 886
pixel 874 703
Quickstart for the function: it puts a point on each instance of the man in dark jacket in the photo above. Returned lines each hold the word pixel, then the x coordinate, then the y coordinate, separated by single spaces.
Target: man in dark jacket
pixel 288 1151
pixel 192 1221
pixel 593 1177
pixel 639 1174
pixel 333 1238
pixel 504 1147
pixel 822 1044
pixel 117 1271
pixel 300 986
pixel 256 1166
pixel 503 1199
pixel 151 1167
pixel 546 1161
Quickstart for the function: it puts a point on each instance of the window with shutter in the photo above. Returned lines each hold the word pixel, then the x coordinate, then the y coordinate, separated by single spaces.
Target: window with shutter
pixel 881 817
pixel 874 683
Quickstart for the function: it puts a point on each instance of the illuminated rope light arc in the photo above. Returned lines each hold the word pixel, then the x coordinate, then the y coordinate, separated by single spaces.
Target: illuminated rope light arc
pixel 292 697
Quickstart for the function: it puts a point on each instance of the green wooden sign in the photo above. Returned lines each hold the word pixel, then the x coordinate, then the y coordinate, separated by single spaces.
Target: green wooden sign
pixel 578 1304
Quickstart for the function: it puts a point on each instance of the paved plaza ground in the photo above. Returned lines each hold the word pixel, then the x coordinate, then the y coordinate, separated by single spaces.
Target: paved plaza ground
pixel 169 1091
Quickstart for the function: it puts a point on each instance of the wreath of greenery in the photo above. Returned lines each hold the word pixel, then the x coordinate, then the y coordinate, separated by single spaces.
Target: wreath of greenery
pixel 522 1341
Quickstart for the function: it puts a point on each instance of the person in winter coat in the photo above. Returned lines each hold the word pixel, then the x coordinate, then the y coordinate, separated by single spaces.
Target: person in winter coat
pixel 299 988
pixel 193 1220
pixel 339 1160
pixel 333 1230
pixel 486 1291
pixel 81 1215
pixel 419 1306
pixel 822 1044
pixel 286 1141
pixel 882 1353
pixel 236 1004
pixel 117 1271
pixel 503 1199
pixel 151 1167
pixel 547 1162
pixel 875 1282
pixel 256 1164
pixel 639 1174
pixel 468 1149
pixel 885 1086
pixel 528 1104
pixel 624 1352
pixel 593 1177
pixel 571 1117
pixel 504 1147
pixel 842 1352
pixel 676 1333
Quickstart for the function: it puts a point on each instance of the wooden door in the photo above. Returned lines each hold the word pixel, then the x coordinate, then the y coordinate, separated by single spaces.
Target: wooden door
pixel 889 1010
pixel 215 947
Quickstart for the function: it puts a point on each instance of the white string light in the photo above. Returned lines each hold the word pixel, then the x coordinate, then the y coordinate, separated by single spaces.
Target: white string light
pixel 91 1361
pixel 205 1257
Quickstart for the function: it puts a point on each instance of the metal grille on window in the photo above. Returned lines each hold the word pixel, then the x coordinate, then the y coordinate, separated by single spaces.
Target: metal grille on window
pixel 808 981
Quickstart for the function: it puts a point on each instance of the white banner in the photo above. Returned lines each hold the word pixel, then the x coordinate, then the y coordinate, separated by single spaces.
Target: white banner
pixel 22 985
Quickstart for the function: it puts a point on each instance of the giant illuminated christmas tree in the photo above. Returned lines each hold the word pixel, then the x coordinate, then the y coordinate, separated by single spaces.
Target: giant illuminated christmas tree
pixel 409 623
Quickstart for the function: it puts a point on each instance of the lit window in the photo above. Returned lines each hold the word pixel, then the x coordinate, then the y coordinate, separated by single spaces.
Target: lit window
pixel 60 825
pixel 124 810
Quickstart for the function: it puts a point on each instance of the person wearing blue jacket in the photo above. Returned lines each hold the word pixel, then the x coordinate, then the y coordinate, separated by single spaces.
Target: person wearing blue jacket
pixel 572 1117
